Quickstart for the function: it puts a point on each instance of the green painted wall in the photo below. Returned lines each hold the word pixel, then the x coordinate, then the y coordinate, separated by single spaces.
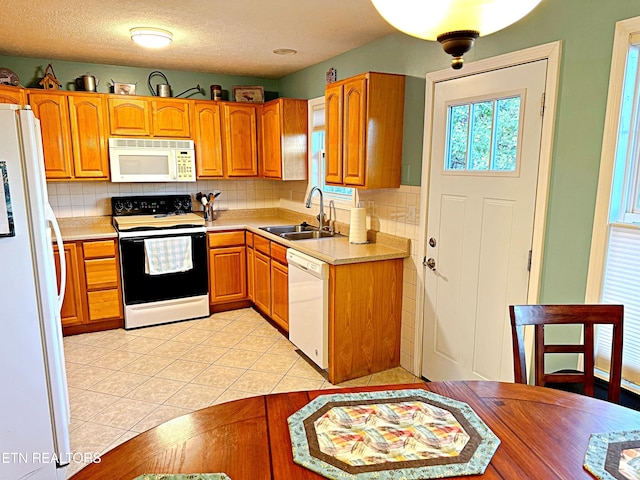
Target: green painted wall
pixel 586 29
pixel 31 71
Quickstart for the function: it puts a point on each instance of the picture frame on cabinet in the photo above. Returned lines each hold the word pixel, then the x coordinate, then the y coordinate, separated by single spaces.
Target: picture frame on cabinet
pixel 124 88
pixel 6 213
pixel 253 94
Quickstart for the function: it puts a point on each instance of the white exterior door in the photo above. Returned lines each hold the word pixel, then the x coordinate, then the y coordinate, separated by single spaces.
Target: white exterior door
pixel 484 167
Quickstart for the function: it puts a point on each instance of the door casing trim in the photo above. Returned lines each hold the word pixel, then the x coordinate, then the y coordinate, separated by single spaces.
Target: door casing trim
pixel 550 52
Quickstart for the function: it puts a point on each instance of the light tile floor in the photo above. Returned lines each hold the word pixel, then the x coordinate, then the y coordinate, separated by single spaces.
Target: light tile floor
pixel 123 382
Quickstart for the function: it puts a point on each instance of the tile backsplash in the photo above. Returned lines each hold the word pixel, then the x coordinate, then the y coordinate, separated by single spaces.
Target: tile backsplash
pixel 88 199
pixel 391 211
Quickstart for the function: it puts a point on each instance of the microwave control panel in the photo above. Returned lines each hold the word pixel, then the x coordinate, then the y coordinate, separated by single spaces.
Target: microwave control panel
pixel 185 166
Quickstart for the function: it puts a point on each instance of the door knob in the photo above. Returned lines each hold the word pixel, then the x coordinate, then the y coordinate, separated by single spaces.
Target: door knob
pixel 431 263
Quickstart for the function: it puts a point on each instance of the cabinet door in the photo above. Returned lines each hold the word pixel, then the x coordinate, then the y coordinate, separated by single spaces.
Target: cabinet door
pixel 262 282
pixel 240 140
pixel 355 129
pixel 89 132
pixel 104 305
pixel 271 144
pixel 208 140
pixel 171 118
pixel 250 275
pixel 12 95
pixel 129 116
pixel 333 134
pixel 71 312
pixel 101 273
pixel 280 294
pixel 53 111
pixel 227 274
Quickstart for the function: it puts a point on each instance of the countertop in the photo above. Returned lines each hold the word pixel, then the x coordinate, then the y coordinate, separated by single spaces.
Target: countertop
pixel 335 250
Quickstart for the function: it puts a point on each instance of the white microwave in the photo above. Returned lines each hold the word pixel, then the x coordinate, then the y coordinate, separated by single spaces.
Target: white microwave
pixel 152 160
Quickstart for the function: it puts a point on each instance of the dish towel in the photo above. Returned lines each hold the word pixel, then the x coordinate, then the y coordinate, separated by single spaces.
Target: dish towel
pixel 167 255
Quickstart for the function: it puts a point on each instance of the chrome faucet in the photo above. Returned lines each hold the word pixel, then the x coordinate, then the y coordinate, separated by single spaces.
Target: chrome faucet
pixel 308 205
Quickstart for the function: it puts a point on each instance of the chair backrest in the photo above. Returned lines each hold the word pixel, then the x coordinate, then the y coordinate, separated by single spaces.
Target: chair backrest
pixel 586 315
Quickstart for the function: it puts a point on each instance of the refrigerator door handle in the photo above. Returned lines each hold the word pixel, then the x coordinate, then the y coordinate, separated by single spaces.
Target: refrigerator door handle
pixel 51 218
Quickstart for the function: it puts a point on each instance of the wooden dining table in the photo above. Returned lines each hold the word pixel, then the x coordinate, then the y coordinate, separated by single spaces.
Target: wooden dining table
pixel 543 434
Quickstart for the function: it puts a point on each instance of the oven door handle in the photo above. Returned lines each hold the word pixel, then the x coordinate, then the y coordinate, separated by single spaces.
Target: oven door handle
pixel 139 240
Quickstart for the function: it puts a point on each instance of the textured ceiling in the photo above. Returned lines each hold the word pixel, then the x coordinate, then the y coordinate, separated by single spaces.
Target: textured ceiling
pixel 231 36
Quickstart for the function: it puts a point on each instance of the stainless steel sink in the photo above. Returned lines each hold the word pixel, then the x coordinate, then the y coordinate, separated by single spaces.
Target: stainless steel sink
pixel 308 234
pixel 280 229
pixel 304 231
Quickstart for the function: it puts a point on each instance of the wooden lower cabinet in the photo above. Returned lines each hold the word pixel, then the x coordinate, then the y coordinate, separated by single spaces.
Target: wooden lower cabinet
pixel 93 295
pixel 271 281
pixel 279 286
pixel 280 294
pixel 250 263
pixel 71 311
pixel 262 282
pixel 227 271
pixel 228 278
pixel 365 311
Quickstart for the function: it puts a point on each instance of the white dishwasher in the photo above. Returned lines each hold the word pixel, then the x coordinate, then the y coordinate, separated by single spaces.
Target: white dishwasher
pixel 309 306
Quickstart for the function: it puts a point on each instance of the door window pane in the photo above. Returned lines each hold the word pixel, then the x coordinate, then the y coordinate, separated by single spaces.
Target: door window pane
pixel 483 136
pixel 481 130
pixel 507 127
pixel 458 137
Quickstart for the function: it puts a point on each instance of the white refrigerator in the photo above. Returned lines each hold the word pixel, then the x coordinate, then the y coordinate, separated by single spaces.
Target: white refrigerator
pixel 34 403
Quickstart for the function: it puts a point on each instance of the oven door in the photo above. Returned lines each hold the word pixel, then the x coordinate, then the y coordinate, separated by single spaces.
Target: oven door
pixel 140 287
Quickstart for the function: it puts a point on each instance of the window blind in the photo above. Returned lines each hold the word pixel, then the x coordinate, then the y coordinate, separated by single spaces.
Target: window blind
pixel 622 286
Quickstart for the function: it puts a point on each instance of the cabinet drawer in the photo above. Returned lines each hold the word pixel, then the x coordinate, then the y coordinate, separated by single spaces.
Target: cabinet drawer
pixel 279 253
pixel 103 305
pixel 226 239
pixel 249 239
pixel 99 249
pixel 261 244
pixel 101 273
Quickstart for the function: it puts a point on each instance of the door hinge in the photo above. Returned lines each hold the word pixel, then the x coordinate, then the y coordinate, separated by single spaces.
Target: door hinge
pixel 542 104
pixel 529 261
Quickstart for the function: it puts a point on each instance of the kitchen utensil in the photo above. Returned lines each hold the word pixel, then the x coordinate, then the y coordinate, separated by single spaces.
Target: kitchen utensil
pixel 87 82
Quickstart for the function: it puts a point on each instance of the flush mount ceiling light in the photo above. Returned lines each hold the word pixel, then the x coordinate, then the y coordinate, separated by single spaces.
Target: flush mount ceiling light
pixel 454 23
pixel 151 37
pixel 285 51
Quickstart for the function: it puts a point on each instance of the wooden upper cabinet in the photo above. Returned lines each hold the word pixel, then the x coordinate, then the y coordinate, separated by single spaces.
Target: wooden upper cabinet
pixel 53 111
pixel 364 128
pixel 241 140
pixel 74 134
pixel 333 133
pixel 271 146
pixel 208 139
pixel 89 136
pixel 171 118
pixel 284 139
pixel 129 116
pixel 355 129
pixel 9 94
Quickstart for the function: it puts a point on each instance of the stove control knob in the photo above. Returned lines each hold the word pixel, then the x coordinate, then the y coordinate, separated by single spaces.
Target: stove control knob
pixel 177 204
pixel 128 206
pixel 118 206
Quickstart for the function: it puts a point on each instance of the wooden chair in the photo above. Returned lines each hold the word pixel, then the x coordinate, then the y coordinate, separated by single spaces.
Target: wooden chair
pixel 585 315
